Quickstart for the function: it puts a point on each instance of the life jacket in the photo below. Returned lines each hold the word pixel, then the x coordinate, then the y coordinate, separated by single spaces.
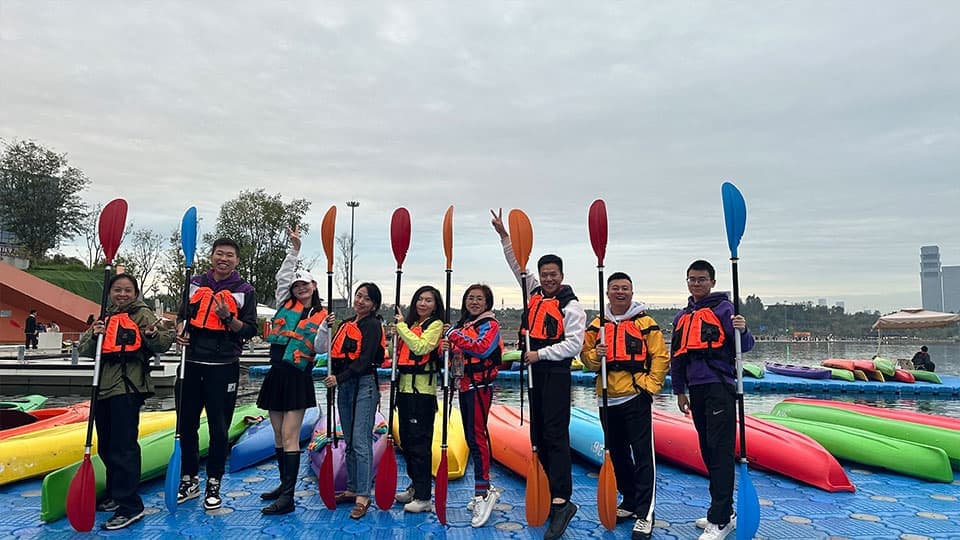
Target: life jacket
pixel 699 330
pixel 348 342
pixel 627 346
pixel 407 362
pixel 544 317
pixel 121 338
pixel 298 333
pixel 202 304
pixel 475 364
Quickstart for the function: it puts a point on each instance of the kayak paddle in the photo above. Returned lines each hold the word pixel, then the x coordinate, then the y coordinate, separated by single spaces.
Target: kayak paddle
pixel 442 473
pixel 82 493
pixel 188 243
pixel 385 488
pixel 607 483
pixel 748 503
pixel 325 481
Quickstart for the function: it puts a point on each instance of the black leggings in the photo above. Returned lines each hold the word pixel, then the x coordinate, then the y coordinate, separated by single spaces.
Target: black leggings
pixel 416 416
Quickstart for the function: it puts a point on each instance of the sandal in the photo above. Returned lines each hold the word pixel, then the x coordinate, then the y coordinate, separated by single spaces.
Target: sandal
pixel 359 510
pixel 345 497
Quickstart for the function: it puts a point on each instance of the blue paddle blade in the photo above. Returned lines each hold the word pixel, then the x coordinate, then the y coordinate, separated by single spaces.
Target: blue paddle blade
pixel 748 505
pixel 188 235
pixel 734 215
pixel 172 482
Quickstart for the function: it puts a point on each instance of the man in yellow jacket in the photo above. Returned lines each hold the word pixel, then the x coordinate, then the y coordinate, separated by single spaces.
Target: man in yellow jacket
pixel 637 364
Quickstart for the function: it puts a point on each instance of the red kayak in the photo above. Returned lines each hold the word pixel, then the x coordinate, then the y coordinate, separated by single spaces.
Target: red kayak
pixel 47 418
pixel 893 414
pixel 769 447
pixel 867 367
pixel 839 363
pixel 509 441
pixel 904 376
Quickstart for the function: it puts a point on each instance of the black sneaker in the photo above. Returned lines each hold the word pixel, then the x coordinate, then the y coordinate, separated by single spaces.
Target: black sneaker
pixel 107 505
pixel 119 521
pixel 212 500
pixel 189 489
pixel 560 519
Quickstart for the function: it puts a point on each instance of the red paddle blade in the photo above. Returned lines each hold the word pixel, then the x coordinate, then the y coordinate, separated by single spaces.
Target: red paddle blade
pixel 400 234
pixel 448 236
pixel 327 228
pixel 598 229
pixel 113 219
pixel 327 494
pixel 82 497
pixel 15 324
pixel 386 486
pixel 440 491
pixel 537 496
pixel 521 236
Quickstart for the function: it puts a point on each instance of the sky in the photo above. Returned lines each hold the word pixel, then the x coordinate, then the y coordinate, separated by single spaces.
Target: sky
pixel 839 123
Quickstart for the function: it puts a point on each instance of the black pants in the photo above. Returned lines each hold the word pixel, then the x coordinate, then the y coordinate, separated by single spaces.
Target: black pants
pixel 550 427
pixel 631 450
pixel 417 413
pixel 118 420
pixel 212 387
pixel 714 410
pixel 31 339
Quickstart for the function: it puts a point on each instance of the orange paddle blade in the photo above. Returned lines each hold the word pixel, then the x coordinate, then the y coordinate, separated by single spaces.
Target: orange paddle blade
pixel 385 488
pixel 82 497
pixel 537 497
pixel 521 236
pixel 607 493
pixel 448 236
pixel 327 228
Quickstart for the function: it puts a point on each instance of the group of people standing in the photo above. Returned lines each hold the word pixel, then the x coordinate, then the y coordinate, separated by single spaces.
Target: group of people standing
pixel 221 315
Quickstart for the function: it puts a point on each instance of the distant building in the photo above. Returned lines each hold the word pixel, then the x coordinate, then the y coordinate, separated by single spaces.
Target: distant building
pixel 931 285
pixel 950 279
pixel 820 302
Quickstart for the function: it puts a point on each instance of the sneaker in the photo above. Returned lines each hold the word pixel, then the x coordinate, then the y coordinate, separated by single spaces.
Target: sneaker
pixel 212 500
pixel 119 521
pixel 489 490
pixel 625 515
pixel 559 520
pixel 642 529
pixel 107 505
pixel 482 507
pixel 716 532
pixel 189 489
pixel 415 506
pixel 702 522
pixel 405 496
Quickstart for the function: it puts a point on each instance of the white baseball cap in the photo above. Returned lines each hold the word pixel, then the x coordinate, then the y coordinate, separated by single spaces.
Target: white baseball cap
pixel 304 276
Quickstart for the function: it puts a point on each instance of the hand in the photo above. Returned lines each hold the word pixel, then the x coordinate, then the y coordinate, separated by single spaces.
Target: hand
pixel 151 330
pixel 98 327
pixel 294 236
pixel 221 309
pixel 739 322
pixel 444 345
pixel 497 223
pixel 182 339
pixel 398 315
pixel 330 381
pixel 531 357
pixel 331 319
pixel 683 403
pixel 601 349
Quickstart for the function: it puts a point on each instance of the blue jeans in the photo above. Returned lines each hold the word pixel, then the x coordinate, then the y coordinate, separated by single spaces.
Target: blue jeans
pixel 357 403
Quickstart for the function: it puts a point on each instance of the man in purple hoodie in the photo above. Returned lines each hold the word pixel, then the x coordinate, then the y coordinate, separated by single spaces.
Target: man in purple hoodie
pixel 703 364
pixel 220 315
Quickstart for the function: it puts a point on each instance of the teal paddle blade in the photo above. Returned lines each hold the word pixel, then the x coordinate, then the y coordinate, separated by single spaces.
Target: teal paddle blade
pixel 748 505
pixel 172 482
pixel 734 215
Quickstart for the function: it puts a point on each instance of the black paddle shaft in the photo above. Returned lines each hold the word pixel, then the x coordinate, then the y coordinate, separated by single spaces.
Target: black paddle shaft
pixel 331 432
pixel 95 388
pixel 393 364
pixel 740 413
pixel 603 383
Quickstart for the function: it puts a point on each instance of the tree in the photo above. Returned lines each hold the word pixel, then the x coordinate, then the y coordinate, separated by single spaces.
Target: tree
pixel 91 236
pixel 39 197
pixel 142 251
pixel 341 277
pixel 258 222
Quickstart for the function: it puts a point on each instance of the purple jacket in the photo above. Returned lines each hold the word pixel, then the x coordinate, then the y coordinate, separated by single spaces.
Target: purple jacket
pixel 701 367
pixel 222 347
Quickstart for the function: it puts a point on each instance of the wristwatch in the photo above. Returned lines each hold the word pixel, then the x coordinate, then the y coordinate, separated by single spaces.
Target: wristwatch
pixel 226 321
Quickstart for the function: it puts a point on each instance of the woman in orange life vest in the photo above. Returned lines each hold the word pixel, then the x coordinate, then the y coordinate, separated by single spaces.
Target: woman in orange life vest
pixel 131 335
pixel 418 363
pixel 298 330
pixel 476 338
pixel 357 350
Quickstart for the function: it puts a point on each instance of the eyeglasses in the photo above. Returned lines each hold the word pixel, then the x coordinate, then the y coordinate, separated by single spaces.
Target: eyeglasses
pixel 697 280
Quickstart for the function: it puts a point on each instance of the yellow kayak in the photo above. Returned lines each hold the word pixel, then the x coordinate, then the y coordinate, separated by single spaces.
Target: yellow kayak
pixel 457 450
pixel 46 450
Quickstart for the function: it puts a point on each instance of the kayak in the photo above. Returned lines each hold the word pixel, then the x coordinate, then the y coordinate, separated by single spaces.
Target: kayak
pixel 839 363
pixel 753 370
pixel 257 442
pixel 893 414
pixel 49 449
pixel 770 447
pixel 925 376
pixel 509 440
pixel 904 376
pixel 873 375
pixel 841 374
pixel 25 403
pixel 885 366
pixel 458 453
pixel 794 370
pixel 155 452
pixel 867 447
pixel 859 375
pixel 315 449
pixel 48 418
pixel 947 439
pixel 835 364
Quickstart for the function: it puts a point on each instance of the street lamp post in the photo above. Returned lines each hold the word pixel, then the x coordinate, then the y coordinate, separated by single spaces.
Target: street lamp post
pixel 353 206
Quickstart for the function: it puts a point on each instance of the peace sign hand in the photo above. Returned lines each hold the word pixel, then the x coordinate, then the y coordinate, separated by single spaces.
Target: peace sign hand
pixel 497 222
pixel 294 235
pixel 221 309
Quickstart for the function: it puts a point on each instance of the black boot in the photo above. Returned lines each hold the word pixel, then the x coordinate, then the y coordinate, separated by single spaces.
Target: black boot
pixel 273 494
pixel 291 469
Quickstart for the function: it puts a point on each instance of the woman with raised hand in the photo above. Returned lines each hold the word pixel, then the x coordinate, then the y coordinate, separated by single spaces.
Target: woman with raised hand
pixel 297 331
pixel 418 362
pixel 357 350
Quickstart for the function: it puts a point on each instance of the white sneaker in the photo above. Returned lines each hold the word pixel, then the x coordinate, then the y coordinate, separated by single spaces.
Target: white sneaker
pixel 642 529
pixel 701 523
pixel 491 488
pixel 716 532
pixel 482 507
pixel 404 496
pixel 415 506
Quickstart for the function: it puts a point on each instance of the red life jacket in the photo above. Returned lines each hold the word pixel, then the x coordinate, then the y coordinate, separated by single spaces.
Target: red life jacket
pixel 475 364
pixel 698 331
pixel 202 304
pixel 407 362
pixel 626 346
pixel 121 337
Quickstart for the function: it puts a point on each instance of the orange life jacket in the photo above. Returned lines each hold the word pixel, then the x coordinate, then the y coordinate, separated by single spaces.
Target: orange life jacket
pixel 121 337
pixel 475 364
pixel 626 346
pixel 544 317
pixel 348 342
pixel 202 304
pixel 698 331
pixel 407 362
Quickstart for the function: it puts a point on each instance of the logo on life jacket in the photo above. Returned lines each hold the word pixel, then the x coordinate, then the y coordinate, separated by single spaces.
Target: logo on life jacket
pixel 626 346
pixel 203 304
pixel 407 362
pixel 298 333
pixel 121 336
pixel 698 331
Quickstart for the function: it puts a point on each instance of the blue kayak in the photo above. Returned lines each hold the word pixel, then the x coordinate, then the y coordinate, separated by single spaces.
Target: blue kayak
pixel 256 443
pixel 586 436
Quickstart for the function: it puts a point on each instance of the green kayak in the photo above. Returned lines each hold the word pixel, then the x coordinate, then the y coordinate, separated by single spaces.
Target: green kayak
pixel 886 366
pixel 925 376
pixel 861 446
pixel 841 374
pixel 947 439
pixel 25 403
pixel 753 370
pixel 155 451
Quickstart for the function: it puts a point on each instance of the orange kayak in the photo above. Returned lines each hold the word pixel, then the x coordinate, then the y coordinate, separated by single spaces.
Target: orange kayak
pixel 510 441
pixel 47 418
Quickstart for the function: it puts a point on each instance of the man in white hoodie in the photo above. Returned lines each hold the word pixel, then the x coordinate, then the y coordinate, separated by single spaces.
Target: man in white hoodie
pixel 637 363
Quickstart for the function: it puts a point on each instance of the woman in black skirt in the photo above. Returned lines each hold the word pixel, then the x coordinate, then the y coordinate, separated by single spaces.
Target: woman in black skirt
pixel 297 330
